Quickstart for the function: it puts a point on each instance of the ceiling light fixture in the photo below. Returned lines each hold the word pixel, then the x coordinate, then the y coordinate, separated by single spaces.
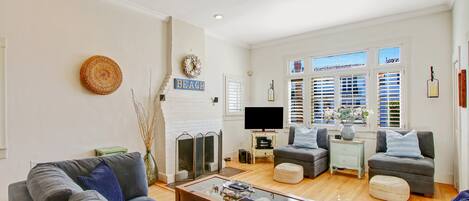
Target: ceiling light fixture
pixel 218 16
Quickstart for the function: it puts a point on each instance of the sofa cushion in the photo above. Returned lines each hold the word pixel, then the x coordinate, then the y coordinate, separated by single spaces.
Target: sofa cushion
pixel 103 180
pixel 423 166
pixel 302 154
pixel 129 169
pixel 18 191
pixel 89 195
pixel 48 183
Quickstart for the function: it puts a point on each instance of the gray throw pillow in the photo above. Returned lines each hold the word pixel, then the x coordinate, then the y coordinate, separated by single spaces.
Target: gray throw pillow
pixel 89 195
pixel 49 183
pixel 306 138
pixel 403 145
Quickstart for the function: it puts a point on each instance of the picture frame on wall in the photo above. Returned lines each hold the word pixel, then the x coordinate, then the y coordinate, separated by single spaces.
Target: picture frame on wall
pixel 462 88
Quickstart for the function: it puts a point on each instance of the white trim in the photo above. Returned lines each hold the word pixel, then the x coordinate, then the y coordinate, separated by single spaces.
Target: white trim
pixel 137 7
pixel 3 107
pixel 355 25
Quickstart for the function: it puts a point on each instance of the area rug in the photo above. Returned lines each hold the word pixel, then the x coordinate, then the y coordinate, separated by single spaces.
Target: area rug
pixel 225 172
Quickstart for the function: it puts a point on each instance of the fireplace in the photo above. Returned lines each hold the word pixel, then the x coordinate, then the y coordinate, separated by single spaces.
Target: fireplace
pixel 198 155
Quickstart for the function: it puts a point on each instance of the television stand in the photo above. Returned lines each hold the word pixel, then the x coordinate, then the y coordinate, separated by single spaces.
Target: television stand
pixel 264 152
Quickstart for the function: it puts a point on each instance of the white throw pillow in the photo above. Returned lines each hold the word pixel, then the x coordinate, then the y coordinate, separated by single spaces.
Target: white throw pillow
pixel 403 145
pixel 306 137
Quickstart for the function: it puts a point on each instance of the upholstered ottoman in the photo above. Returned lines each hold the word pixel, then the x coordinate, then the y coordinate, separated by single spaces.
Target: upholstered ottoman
pixel 389 188
pixel 288 173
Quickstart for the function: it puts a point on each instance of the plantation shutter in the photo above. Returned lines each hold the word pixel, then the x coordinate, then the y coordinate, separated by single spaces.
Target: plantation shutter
pixel 353 92
pixel 389 100
pixel 322 97
pixel 234 91
pixel 295 101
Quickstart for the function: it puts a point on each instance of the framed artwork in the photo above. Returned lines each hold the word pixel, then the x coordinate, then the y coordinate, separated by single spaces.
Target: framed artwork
pixel 433 85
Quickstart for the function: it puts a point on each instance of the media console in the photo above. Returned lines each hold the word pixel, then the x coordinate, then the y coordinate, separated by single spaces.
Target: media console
pixel 264 148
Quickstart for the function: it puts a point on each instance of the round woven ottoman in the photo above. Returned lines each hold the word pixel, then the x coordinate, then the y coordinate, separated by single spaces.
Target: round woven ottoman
pixel 288 173
pixel 389 188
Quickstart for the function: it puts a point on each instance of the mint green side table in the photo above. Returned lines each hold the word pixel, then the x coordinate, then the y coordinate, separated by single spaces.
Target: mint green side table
pixel 110 151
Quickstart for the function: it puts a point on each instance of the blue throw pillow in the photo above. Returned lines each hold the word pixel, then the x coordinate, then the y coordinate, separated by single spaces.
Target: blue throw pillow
pixel 306 138
pixel 103 180
pixel 403 145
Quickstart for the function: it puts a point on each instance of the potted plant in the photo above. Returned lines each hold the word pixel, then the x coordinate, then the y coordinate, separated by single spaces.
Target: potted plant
pixel 147 118
pixel 348 117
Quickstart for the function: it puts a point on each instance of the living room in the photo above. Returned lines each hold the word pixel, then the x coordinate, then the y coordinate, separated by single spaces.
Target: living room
pixel 302 100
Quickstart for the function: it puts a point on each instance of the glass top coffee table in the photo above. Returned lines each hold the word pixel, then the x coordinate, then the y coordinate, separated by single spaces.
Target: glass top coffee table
pixel 210 188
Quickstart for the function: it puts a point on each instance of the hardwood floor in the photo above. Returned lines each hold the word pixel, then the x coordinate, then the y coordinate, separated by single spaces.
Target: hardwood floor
pixel 326 187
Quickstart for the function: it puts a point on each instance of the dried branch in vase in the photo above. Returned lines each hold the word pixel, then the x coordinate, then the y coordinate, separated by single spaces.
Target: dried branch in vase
pixel 147 117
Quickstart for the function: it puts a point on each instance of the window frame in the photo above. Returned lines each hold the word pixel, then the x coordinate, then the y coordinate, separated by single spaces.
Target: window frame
pixel 371 70
pixel 227 112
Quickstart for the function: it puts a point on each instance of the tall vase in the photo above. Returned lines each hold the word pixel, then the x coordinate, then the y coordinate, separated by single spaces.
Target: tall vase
pixel 348 131
pixel 151 168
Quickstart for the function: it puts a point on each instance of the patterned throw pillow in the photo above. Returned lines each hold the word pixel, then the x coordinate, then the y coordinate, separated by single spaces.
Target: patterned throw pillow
pixel 403 145
pixel 306 137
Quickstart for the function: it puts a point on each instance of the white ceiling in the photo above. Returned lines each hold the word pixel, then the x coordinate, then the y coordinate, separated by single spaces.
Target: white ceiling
pixel 256 21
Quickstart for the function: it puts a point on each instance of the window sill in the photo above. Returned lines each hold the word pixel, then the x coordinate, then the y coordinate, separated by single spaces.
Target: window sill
pixel 233 117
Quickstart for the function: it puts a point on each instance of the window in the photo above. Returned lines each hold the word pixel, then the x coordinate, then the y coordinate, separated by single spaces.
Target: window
pixel 353 92
pixel 389 100
pixel 297 66
pixel 233 95
pixel 295 101
pixel 322 97
pixel 337 62
pixel 389 55
pixel 350 80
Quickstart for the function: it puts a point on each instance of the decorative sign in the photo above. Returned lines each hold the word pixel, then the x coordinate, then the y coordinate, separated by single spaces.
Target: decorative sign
pixel 186 84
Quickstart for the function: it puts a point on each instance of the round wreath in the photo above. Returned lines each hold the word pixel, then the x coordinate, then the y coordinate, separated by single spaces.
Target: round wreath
pixel 192 66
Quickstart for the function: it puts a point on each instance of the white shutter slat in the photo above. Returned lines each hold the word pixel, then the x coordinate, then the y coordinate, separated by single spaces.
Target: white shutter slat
pixel 322 97
pixel 389 100
pixel 295 101
pixel 234 94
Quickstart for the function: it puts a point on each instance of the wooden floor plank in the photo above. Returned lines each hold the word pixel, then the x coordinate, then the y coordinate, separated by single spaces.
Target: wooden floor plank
pixel 326 187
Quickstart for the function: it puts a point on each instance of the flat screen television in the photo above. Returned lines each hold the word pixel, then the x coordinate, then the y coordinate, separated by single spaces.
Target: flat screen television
pixel 263 118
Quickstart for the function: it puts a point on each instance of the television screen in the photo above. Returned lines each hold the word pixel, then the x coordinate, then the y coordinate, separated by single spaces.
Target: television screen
pixel 263 118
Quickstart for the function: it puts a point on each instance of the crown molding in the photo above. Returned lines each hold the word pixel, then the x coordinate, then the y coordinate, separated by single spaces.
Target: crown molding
pixel 142 9
pixel 355 25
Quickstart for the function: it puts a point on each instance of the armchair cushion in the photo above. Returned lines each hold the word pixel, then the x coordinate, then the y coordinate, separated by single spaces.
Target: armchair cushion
pixel 425 142
pixel 306 138
pixel 423 166
pixel 302 154
pixel 322 138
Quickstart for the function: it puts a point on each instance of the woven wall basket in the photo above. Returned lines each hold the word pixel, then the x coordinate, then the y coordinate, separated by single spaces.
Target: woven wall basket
pixel 101 75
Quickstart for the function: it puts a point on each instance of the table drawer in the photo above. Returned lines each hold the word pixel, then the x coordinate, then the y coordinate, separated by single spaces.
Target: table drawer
pixel 346 161
pixel 345 149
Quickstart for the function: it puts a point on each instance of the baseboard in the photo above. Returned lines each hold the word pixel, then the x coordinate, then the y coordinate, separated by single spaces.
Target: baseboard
pixel 165 178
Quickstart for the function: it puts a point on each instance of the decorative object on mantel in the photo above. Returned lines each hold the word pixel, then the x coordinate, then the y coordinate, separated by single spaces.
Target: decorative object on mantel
pixel 347 117
pixel 433 85
pixel 192 66
pixel 147 118
pixel 462 88
pixel 271 92
pixel 101 75
pixel 186 84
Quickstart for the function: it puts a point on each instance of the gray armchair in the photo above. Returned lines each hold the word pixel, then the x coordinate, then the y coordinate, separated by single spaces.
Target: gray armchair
pixel 58 180
pixel 314 161
pixel 419 173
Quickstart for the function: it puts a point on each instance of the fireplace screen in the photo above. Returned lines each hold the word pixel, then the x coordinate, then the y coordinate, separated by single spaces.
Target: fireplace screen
pixel 198 155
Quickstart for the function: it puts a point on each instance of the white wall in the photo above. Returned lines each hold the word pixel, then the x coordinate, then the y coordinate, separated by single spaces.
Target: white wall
pixel 429 37
pixel 461 39
pixel 51 116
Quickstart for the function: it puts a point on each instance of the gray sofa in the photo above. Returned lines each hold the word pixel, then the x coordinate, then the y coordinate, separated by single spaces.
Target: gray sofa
pixel 57 181
pixel 314 161
pixel 419 173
